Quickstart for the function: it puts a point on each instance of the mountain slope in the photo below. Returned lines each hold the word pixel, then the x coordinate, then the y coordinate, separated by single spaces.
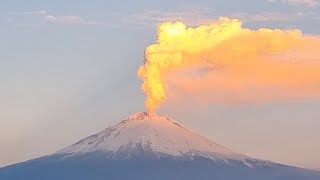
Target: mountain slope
pixel 150 147
pixel 155 135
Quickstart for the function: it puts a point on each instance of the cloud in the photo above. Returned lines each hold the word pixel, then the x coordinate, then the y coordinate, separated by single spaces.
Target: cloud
pixel 151 18
pixel 65 19
pixel 267 16
pixel 194 17
pixel 38 12
pixel 33 18
pixel 226 62
pixel 305 3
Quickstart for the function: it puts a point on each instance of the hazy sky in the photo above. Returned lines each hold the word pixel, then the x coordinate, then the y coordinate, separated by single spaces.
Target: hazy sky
pixel 68 69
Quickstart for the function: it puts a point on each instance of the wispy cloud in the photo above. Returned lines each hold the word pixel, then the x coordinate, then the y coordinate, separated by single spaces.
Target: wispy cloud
pixel 38 12
pixel 65 19
pixel 32 18
pixel 142 19
pixel 267 16
pixel 305 3
pixel 153 17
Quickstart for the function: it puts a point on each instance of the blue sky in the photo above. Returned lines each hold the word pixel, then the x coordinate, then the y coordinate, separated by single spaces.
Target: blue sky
pixel 68 69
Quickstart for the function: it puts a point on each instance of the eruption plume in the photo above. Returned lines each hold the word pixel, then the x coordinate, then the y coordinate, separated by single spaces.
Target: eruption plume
pixel 229 60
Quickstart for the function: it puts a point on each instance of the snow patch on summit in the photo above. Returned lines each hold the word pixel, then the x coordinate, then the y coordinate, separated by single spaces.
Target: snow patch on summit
pixel 153 134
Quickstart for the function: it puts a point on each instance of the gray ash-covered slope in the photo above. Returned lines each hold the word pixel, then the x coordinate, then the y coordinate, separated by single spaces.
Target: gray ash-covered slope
pixel 150 147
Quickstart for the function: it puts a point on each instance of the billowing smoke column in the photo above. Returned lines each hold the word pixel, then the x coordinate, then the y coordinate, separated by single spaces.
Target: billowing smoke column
pixel 239 63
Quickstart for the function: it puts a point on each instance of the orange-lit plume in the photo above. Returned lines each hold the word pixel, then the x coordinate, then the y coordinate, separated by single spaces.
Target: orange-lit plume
pixel 231 62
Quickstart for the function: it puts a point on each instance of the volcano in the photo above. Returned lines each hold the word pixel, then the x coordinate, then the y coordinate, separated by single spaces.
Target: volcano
pixel 144 147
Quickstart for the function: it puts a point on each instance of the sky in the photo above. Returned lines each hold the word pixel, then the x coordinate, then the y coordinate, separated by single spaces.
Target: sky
pixel 68 69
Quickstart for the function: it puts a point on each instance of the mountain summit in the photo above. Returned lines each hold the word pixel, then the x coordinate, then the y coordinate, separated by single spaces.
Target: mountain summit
pixel 155 136
pixel 144 147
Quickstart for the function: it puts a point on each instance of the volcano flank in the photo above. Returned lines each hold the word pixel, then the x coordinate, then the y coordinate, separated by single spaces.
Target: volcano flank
pixel 147 146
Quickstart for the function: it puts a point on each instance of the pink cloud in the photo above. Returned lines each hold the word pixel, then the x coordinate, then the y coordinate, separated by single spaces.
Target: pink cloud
pixel 306 3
